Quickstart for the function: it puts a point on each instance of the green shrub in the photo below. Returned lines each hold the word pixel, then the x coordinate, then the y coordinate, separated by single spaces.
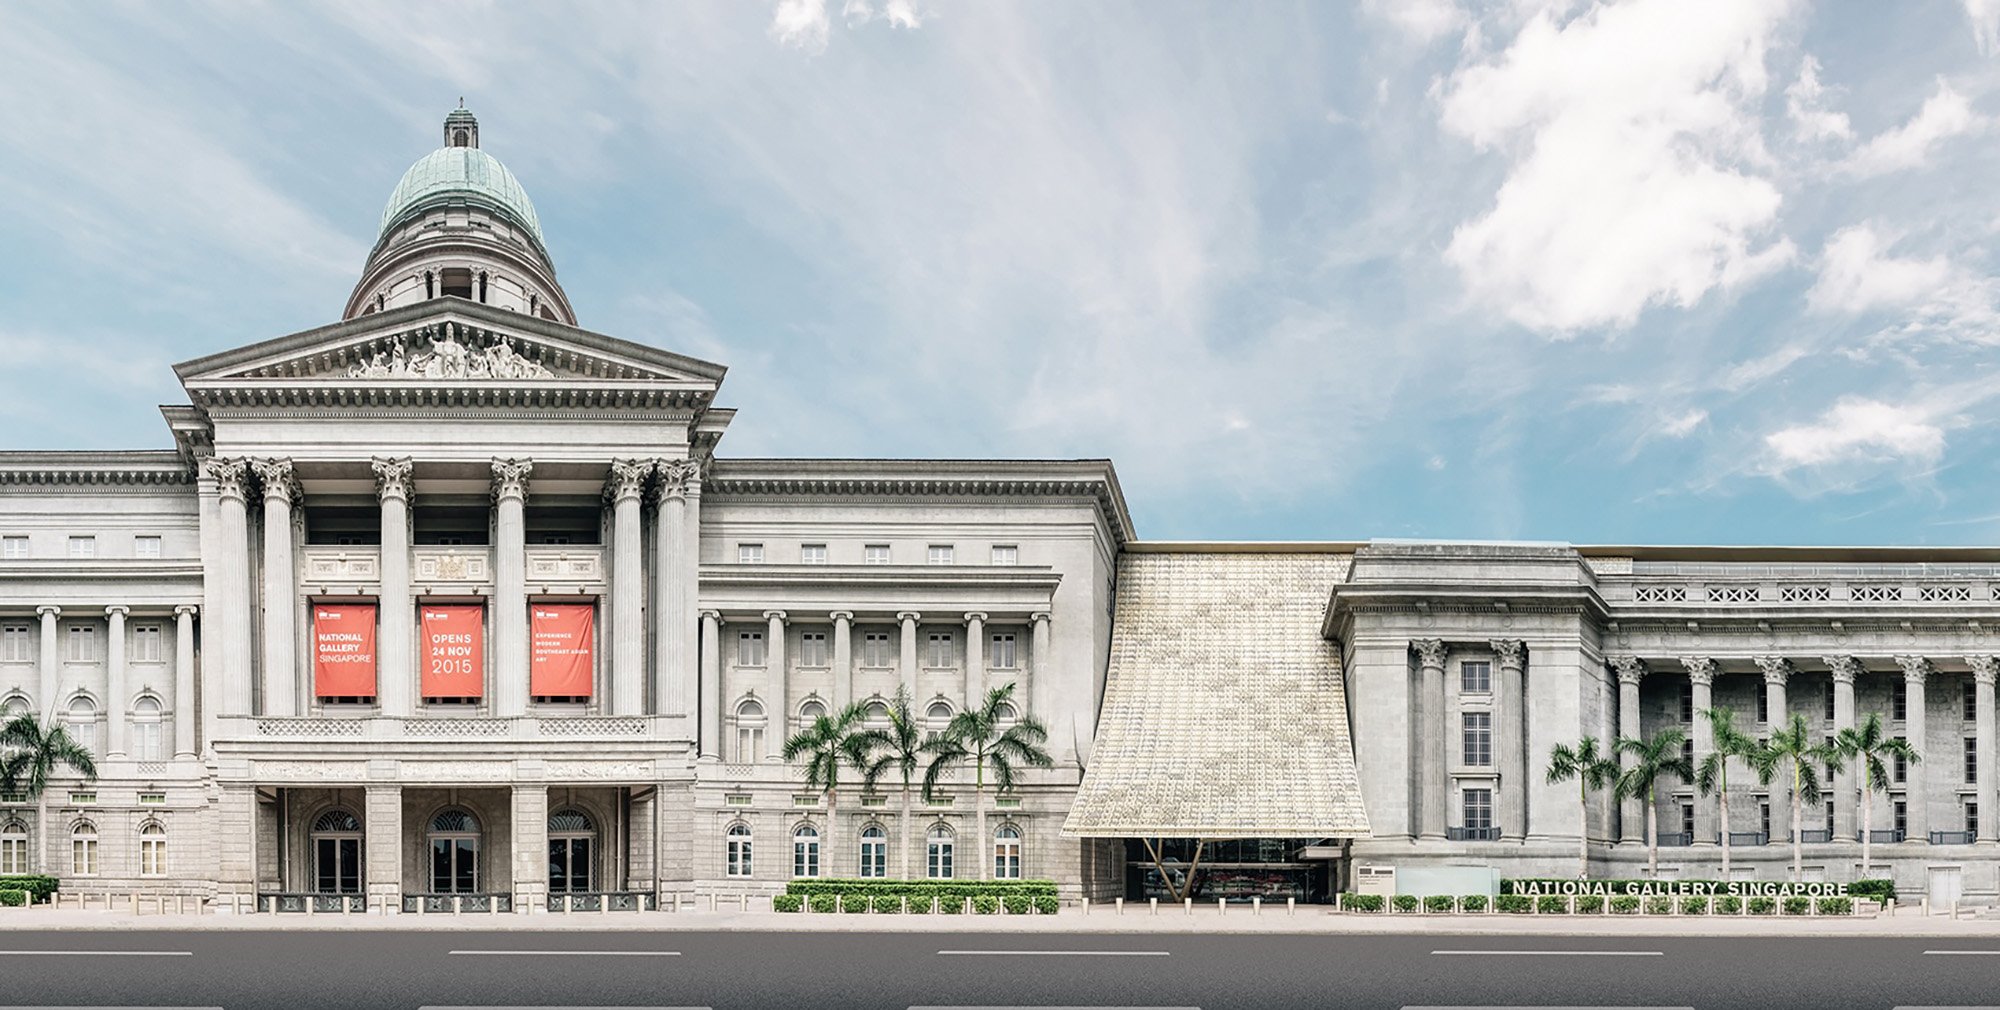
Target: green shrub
pixel 39 885
pixel 1473 903
pixel 986 904
pixel 1362 902
pixel 918 904
pixel 1877 889
pixel 1624 904
pixel 825 902
pixel 779 903
pixel 1694 904
pixel 1551 904
pixel 1836 906
pixel 1439 903
pixel 1761 905
pixel 1728 904
pixel 952 906
pixel 888 904
pixel 1016 904
pixel 13 897
pixel 1798 905
pixel 944 888
pixel 1590 904
pixel 1406 902
pixel 1659 904
pixel 1044 904
pixel 855 903
pixel 1514 903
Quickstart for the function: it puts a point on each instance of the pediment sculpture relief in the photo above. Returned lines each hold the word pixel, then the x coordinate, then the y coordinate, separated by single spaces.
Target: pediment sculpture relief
pixel 443 353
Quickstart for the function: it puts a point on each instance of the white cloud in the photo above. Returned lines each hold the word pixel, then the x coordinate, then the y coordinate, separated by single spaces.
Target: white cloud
pixel 1635 152
pixel 1683 425
pixel 1985 17
pixel 1856 275
pixel 1805 105
pixel 897 13
pixel 800 24
pixel 1944 115
pixel 1857 430
pixel 1425 21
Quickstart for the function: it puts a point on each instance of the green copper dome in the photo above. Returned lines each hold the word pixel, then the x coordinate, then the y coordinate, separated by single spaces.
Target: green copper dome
pixel 466 173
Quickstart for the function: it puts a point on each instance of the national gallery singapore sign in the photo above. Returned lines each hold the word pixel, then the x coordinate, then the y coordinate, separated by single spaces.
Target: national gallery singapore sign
pixel 1677 888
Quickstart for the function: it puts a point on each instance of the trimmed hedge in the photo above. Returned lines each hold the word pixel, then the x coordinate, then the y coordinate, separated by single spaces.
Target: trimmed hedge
pixel 986 904
pixel 919 905
pixel 1624 904
pixel 1016 904
pixel 872 886
pixel 1362 902
pixel 1045 904
pixel 1761 905
pixel 855 904
pixel 825 902
pixel 787 902
pixel 39 885
pixel 1514 903
pixel 1694 905
pixel 1473 903
pixel 1659 904
pixel 1835 906
pixel 1551 904
pixel 1590 904
pixel 1877 889
pixel 886 904
pixel 1439 903
pixel 1405 902
pixel 952 906
pixel 13 897
pixel 1729 904
pixel 1797 906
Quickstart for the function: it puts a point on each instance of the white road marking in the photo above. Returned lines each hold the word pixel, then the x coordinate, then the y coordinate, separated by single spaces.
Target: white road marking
pixel 1054 953
pixel 96 953
pixel 1550 953
pixel 567 953
pixel 1533 1007
pixel 483 1007
pixel 116 1008
pixel 1986 953
pixel 1947 1008
pixel 1055 1008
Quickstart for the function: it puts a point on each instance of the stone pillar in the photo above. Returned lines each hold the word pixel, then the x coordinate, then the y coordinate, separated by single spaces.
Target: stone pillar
pixel 236 817
pixel 711 685
pixel 975 661
pixel 627 672
pixel 49 668
pixel 1632 812
pixel 395 686
pixel 843 660
pixel 510 586
pixel 118 703
pixel 1778 671
pixel 1701 675
pixel 1916 671
pixel 184 703
pixel 908 652
pixel 382 842
pixel 1844 792
pixel 1511 737
pixel 1430 732
pixel 780 720
pixel 531 850
pixel 1038 661
pixel 281 604
pixel 232 621
pixel 675 588
pixel 1985 669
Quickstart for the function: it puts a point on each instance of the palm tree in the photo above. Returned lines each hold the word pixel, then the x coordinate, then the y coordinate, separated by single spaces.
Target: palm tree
pixel 1652 758
pixel 900 747
pixel 984 737
pixel 1592 771
pixel 1794 746
pixel 30 751
pixel 826 745
pixel 1866 746
pixel 1712 777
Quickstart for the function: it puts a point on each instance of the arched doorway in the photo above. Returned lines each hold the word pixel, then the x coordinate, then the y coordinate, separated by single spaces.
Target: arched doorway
pixel 336 852
pixel 454 838
pixel 572 843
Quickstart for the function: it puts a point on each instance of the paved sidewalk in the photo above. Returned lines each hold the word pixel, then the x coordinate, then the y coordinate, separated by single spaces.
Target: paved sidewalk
pixel 1100 919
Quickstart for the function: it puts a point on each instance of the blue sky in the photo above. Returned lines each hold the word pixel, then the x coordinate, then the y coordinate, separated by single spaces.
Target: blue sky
pixel 1653 271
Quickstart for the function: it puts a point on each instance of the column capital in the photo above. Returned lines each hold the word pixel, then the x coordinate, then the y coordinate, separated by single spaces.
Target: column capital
pixel 1430 652
pixel 1777 669
pixel 118 610
pixel 278 479
pixel 1039 617
pixel 1511 652
pixel 1846 669
pixel 1985 669
pixel 841 616
pixel 1916 669
pixel 1700 670
pixel 392 476
pixel 909 616
pixel 775 615
pixel 187 610
pixel 1630 669
pixel 627 480
pixel 48 610
pixel 679 478
pixel 975 616
pixel 510 478
pixel 231 477
pixel 711 615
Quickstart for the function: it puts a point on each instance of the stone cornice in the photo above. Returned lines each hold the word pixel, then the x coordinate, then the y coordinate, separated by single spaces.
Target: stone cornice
pixel 1090 479
pixel 96 469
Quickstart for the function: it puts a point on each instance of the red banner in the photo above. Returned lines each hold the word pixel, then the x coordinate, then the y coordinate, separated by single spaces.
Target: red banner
pixel 344 650
pixel 562 640
pixel 454 637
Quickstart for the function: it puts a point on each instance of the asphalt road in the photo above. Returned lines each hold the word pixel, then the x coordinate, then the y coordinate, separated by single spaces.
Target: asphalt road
pixel 302 970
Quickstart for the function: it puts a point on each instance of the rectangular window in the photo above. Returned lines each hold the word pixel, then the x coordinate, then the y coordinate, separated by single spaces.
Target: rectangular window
pixel 1475 678
pixel 1971 760
pixel 83 855
pixel 1899 768
pixel 153 799
pixel 1899 813
pixel 1763 705
pixel 82 643
pixel 1764 817
pixel 1829 818
pixel 875 651
pixel 874 853
pixel 1006 555
pixel 153 855
pixel 13 855
pixel 146 742
pixel 145 643
pixel 937 856
pixel 1003 656
pixel 1827 709
pixel 1968 702
pixel 749 648
pixel 937 649
pixel 83 547
pixel 939 554
pixel 813 650
pixel 1476 809
pixel 13 547
pixel 1687 702
pixel 1687 819
pixel 812 554
pixel 1972 818
pixel 1478 738
pixel 805 855
pixel 1899 701
pixel 145 547
pixel 1687 751
pixel 81 798
pixel 15 646
pixel 749 554
pixel 875 554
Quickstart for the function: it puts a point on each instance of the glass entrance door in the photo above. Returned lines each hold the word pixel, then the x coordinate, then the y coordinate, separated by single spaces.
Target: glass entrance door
pixel 337 865
pixel 569 865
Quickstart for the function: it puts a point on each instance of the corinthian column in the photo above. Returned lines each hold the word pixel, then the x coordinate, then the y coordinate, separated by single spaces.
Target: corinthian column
pixel 1511 740
pixel 118 703
pixel 975 662
pixel 774 654
pixel 907 653
pixel 1632 813
pixel 232 622
pixel 397 612
pixel 1916 670
pixel 674 587
pixel 1430 730
pixel 1777 672
pixel 1845 670
pixel 711 685
pixel 510 586
pixel 184 681
pixel 50 667
pixel 843 659
pixel 1985 669
pixel 1701 674
pixel 280 592
pixel 628 586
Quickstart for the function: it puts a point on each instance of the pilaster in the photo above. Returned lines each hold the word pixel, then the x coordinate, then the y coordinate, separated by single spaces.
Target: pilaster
pixel 1916 673
pixel 117 702
pixel 1701 677
pixel 1430 738
pixel 1778 673
pixel 281 598
pixel 627 672
pixel 395 683
pixel 1511 743
pixel 1632 811
pixel 510 587
pixel 1845 670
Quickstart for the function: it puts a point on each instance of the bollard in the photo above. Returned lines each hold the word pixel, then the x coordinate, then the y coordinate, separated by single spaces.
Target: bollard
pixel 135 903
pixel 1120 903
pixel 312 904
pixel 1221 907
pixel 1256 904
pixel 1155 902
pixel 1188 903
pixel 1291 905
pixel 604 904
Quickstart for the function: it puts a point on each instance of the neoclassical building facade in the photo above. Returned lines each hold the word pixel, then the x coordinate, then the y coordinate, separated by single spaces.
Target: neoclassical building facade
pixel 455 604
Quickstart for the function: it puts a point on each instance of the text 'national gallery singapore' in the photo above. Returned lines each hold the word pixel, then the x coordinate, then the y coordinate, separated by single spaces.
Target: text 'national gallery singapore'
pixel 453 603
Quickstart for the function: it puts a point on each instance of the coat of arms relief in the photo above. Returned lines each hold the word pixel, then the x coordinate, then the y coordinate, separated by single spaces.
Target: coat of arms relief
pixel 447 353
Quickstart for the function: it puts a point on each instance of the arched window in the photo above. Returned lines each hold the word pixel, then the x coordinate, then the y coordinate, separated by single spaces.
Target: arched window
pixel 1006 713
pixel 749 731
pixel 83 849
pixel 811 712
pixel 534 302
pixel 459 138
pixel 737 851
pixel 13 847
pixel 938 715
pixel 805 851
pixel 430 285
pixel 13 707
pixel 938 852
pixel 875 716
pixel 153 850
pixel 572 838
pixel 874 851
pixel 1007 853
pixel 81 722
pixel 454 838
pixel 336 852
pixel 482 285
pixel 147 742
